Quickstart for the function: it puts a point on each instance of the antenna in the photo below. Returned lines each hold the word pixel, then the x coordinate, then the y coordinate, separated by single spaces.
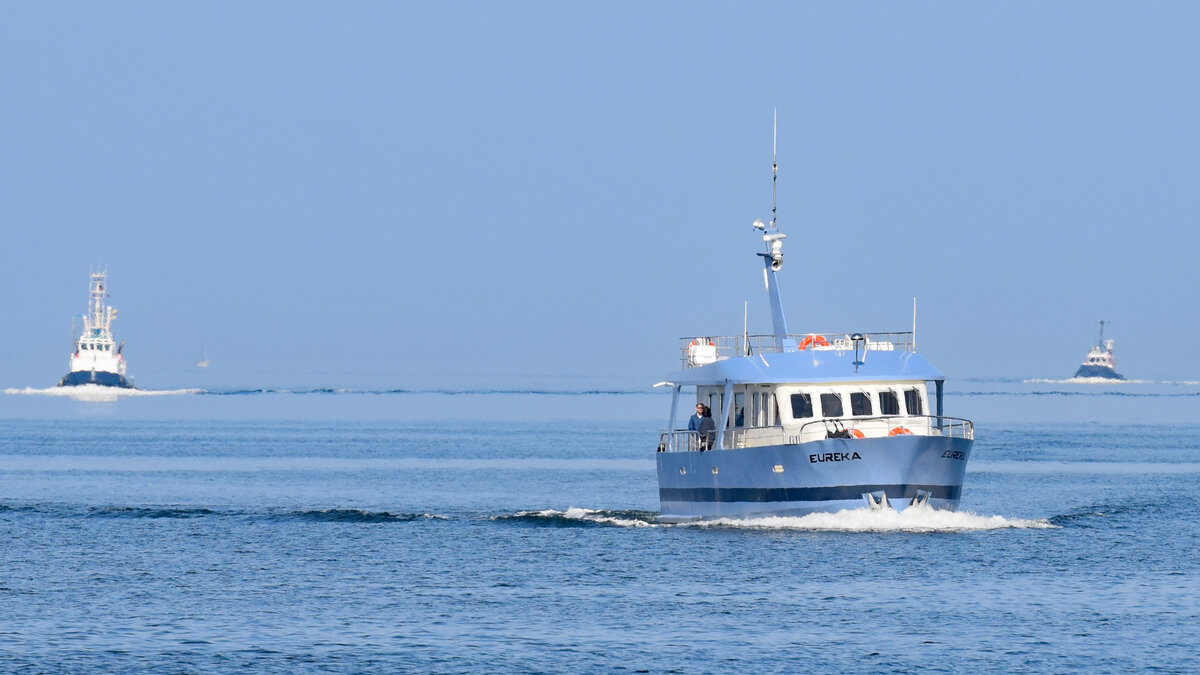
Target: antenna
pixel 774 163
pixel 746 325
pixel 773 238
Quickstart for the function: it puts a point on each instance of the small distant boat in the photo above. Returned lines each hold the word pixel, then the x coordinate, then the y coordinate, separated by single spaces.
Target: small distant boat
pixel 97 358
pixel 1099 361
pixel 203 362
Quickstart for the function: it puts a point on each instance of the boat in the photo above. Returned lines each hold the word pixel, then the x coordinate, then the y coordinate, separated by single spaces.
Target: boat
pixel 808 422
pixel 203 362
pixel 97 358
pixel 1099 360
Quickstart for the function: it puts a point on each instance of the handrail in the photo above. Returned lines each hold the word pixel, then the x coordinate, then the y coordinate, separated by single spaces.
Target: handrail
pixel 954 427
pixel 702 350
pixel 685 441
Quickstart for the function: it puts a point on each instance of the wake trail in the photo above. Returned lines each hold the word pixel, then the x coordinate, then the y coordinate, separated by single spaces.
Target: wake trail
pixel 95 392
pixel 910 520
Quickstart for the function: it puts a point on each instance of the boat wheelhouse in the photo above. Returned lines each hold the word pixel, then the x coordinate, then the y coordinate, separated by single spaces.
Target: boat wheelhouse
pixel 808 422
pixel 97 359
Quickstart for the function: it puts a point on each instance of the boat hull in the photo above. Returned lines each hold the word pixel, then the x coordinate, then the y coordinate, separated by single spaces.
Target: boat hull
pixel 822 476
pixel 102 378
pixel 1098 371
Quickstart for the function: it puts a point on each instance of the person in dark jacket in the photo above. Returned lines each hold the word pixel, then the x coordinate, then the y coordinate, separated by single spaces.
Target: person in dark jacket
pixel 707 429
pixel 694 420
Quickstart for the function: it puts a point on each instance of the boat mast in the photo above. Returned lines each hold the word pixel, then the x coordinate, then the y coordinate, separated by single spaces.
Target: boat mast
pixel 774 162
pixel 914 335
pixel 773 257
pixel 1100 340
pixel 101 317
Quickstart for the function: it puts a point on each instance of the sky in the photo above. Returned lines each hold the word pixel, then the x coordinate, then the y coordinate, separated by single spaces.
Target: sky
pixel 418 194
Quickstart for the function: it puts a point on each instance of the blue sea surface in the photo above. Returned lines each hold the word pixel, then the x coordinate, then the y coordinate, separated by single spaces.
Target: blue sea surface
pixel 515 531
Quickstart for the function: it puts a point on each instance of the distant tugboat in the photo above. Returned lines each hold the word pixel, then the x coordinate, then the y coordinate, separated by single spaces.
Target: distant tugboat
pixel 1099 361
pixel 97 358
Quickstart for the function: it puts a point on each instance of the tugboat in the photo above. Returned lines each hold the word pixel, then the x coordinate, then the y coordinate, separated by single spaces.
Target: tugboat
pixel 1099 361
pixel 97 358
pixel 808 422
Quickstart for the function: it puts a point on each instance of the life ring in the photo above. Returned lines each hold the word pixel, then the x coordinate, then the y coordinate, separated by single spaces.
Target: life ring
pixel 855 433
pixel 899 431
pixel 814 341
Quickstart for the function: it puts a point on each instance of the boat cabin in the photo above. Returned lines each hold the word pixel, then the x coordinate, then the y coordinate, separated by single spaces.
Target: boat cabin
pixel 771 414
pixel 817 387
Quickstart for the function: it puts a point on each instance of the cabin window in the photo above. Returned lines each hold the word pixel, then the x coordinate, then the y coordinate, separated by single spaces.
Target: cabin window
pixel 801 406
pixel 860 404
pixel 739 411
pixel 762 412
pixel 889 403
pixel 912 401
pixel 831 405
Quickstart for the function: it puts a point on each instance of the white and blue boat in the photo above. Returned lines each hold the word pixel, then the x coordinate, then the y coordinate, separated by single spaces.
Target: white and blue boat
pixel 1099 361
pixel 97 358
pixel 808 422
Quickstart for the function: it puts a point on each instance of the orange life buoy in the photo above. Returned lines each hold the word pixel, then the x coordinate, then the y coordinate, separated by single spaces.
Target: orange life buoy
pixel 857 434
pixel 813 340
pixel 899 431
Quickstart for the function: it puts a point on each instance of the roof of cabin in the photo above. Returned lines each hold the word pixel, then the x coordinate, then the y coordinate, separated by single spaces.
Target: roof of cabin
pixel 816 366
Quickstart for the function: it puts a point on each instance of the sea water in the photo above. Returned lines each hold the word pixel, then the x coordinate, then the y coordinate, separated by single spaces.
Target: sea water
pixel 499 531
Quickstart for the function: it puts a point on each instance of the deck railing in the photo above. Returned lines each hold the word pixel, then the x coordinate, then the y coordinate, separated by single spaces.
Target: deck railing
pixel 702 350
pixel 685 441
pixel 819 430
pixel 924 425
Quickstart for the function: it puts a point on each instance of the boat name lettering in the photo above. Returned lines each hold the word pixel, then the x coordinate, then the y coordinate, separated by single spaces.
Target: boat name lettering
pixel 954 454
pixel 833 457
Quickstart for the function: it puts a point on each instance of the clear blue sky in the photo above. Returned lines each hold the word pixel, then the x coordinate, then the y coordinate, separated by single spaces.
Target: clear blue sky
pixel 393 193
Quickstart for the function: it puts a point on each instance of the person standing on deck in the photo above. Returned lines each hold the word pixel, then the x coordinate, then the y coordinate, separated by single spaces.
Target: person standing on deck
pixel 707 430
pixel 694 420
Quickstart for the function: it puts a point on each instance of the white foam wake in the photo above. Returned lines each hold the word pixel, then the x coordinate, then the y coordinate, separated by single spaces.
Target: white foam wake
pixel 911 519
pixel 593 516
pixel 97 393
pixel 1088 380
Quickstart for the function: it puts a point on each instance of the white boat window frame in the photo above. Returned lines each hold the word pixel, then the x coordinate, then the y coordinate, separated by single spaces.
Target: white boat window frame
pixel 870 403
pixel 841 404
pixel 922 403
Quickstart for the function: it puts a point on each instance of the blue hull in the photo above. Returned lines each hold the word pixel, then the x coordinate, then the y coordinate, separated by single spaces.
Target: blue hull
pixel 1098 371
pixel 102 378
pixel 822 476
